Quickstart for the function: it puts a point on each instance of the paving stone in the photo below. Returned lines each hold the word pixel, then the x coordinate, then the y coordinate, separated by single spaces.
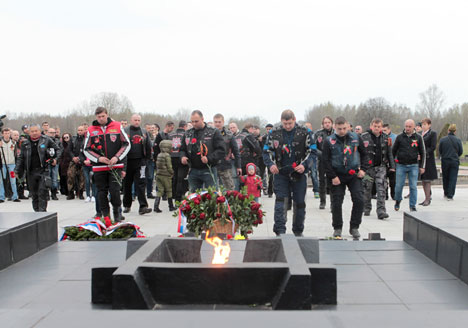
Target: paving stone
pixel 430 291
pixel 407 272
pixel 366 293
pixel 393 257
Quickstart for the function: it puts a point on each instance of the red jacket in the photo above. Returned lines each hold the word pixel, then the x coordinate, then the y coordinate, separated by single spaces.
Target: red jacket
pixel 253 182
pixel 109 140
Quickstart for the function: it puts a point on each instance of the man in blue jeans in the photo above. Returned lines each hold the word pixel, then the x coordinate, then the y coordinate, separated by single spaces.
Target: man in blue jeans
pixel 410 157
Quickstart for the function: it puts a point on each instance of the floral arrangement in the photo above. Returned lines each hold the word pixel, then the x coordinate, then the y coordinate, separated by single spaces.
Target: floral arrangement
pixel 207 208
pixel 98 229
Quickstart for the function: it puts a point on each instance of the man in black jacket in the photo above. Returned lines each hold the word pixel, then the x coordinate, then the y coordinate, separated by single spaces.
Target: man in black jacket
pixel 37 151
pixel 408 151
pixel 450 150
pixel 345 163
pixel 139 154
pixel 231 154
pixel 202 149
pixel 320 137
pixel 379 151
pixel 179 184
pixel 249 148
pixel 75 176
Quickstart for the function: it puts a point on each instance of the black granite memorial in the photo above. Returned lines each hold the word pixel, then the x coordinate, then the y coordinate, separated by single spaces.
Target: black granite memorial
pixel 281 273
pixel 443 237
pixel 23 234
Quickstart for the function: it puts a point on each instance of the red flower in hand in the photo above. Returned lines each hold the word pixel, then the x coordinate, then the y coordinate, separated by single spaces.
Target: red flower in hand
pixel 99 147
pixel 202 216
pixel 229 237
pixel 220 199
pixel 352 172
pixel 194 140
pixel 12 174
pixel 294 165
pixel 370 162
pixel 396 160
pixel 107 221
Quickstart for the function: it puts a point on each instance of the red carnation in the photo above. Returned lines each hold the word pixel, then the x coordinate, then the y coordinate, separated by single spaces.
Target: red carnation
pixel 370 162
pixel 107 221
pixel 228 193
pixel 294 165
pixel 229 237
pixel 99 147
pixel 196 201
pixel 187 208
pixel 12 174
pixel 93 146
pixel 260 214
pixel 193 216
pixel 202 216
pixel 352 172
pixel 396 160
pixel 241 196
pixel 220 199
pixel 208 196
pixel 194 140
pixel 254 207
pixel 250 231
pixel 218 215
pixel 229 213
pixel 255 222
pixel 260 221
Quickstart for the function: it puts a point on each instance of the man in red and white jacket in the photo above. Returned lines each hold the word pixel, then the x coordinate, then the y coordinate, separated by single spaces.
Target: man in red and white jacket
pixel 107 146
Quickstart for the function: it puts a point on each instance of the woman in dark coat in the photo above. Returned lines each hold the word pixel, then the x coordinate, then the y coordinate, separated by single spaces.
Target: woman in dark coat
pixel 64 162
pixel 430 173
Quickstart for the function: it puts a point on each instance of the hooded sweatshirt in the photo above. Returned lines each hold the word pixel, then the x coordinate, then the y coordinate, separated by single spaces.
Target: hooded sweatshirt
pixel 252 181
pixel 163 162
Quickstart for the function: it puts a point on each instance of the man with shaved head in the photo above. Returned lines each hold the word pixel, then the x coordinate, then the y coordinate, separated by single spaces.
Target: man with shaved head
pixel 410 158
pixel 138 156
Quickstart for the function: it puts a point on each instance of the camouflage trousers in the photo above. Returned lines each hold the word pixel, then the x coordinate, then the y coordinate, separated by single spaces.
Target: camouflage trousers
pixel 225 176
pixel 379 175
pixel 75 177
pixel 164 185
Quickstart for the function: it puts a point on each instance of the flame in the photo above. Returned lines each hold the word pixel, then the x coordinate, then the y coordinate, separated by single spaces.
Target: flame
pixel 221 255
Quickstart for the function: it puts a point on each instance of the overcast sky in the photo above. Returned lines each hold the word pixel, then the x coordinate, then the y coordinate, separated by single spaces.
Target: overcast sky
pixel 241 57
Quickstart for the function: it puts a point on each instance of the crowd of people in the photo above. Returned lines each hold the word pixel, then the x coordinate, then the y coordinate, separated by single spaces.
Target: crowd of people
pixel 108 158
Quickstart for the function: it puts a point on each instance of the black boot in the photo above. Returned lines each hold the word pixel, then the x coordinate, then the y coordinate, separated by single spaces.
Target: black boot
pixel 157 200
pixel 171 205
pixel 117 211
pixel 53 193
pixel 71 195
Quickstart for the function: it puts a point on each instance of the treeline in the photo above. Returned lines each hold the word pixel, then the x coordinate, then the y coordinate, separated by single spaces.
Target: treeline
pixel 432 105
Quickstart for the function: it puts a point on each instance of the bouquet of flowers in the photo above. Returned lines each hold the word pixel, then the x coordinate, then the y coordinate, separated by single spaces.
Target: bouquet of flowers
pixel 207 209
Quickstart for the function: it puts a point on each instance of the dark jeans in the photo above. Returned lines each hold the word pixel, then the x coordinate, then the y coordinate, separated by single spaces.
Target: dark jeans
pixel 354 185
pixel 106 183
pixel 179 183
pixel 391 183
pixel 283 187
pixel 135 175
pixel 449 176
pixel 149 177
pixel 201 178
pixel 314 176
pixel 324 187
pixel 38 190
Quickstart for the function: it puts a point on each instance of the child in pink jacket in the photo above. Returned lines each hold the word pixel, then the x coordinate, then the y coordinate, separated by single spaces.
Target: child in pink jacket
pixel 252 181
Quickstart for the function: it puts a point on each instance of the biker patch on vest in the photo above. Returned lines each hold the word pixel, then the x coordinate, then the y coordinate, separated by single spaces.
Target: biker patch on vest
pixel 176 143
pixel 319 139
pixel 239 143
pixel 113 138
pixel 187 141
pixel 414 143
pixel 347 150
pixel 95 133
pixel 275 143
pixel 366 144
pixel 332 141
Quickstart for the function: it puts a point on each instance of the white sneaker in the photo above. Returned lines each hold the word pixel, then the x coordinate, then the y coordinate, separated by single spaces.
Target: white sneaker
pixel 93 199
pixel 87 200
